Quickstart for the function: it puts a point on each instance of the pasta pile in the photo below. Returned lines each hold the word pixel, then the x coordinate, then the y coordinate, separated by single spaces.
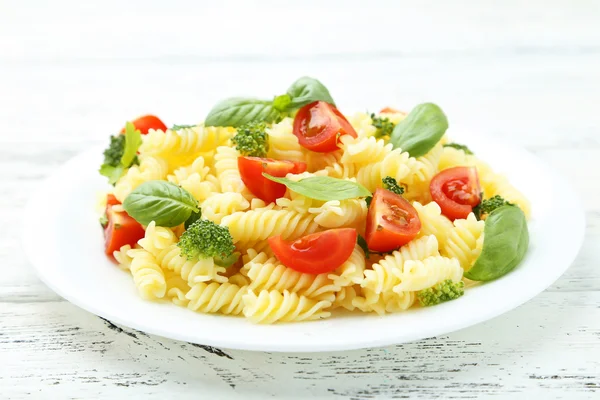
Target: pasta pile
pixel 203 161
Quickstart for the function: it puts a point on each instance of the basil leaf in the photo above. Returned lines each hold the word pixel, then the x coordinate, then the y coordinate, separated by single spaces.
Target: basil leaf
pixel 112 173
pixel 195 216
pixel 133 141
pixel 459 146
pixel 362 242
pixel 160 201
pixel 238 111
pixel 306 90
pixel 505 243
pixel 180 127
pixel 282 102
pixel 324 188
pixel 422 129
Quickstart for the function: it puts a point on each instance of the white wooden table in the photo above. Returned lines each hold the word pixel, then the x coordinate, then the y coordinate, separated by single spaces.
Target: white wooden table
pixel 70 73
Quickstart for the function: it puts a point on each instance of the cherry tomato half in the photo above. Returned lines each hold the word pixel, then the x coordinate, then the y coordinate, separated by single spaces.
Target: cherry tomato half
pixel 147 122
pixel 389 110
pixel 456 190
pixel 391 222
pixel 319 125
pixel 120 230
pixel 252 168
pixel 316 253
pixel 111 200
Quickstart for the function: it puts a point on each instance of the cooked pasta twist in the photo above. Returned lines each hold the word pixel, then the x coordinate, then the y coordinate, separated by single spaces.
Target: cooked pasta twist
pixel 383 276
pixel 272 306
pixel 338 214
pixel 496 184
pixel 417 275
pixel 156 239
pixel 283 144
pixel 226 165
pixel 260 224
pixel 363 151
pixel 465 241
pixel 177 288
pixel 385 302
pixel 352 270
pixel 433 222
pixel 219 205
pixel 396 164
pixel 346 297
pixel 224 298
pixel 147 274
pixel 362 124
pixel 150 168
pixel 123 260
pixel 274 275
pixel 194 270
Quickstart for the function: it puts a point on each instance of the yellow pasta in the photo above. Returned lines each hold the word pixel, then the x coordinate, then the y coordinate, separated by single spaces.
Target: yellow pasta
pixel 465 241
pixel 148 277
pixel 272 306
pixel 194 270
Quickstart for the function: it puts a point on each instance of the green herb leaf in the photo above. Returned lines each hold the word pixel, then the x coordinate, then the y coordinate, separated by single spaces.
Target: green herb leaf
pixel 194 216
pixel 133 141
pixel 306 90
pixel 324 188
pixel 282 102
pixel 422 129
pixel 180 127
pixel 459 146
pixel 160 201
pixel 104 220
pixel 239 111
pixel 112 173
pixel 227 261
pixel 368 200
pixel 505 243
pixel 363 245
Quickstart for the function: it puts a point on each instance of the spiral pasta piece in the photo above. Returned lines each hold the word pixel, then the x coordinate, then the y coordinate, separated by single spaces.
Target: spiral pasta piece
pixel 194 270
pixel 362 124
pixel 465 241
pixel 351 271
pixel 363 151
pixel 424 169
pixel 214 297
pixel 122 258
pixel 383 276
pixel 273 275
pixel 272 306
pixel 283 144
pixel 396 164
pixel 496 184
pixel 433 222
pixel 147 274
pixel 346 296
pixel 385 302
pixel 338 214
pixel 417 275
pixel 156 239
pixel 177 288
pixel 219 205
pixel 150 169
pixel 260 224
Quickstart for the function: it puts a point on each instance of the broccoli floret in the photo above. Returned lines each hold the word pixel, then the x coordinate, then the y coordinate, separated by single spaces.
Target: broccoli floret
pixel 205 239
pixel 489 205
pixel 383 125
pixel 443 291
pixel 121 153
pixel 391 184
pixel 252 140
pixel 458 146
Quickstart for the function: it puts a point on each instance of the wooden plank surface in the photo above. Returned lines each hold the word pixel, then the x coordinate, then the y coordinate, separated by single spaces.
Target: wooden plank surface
pixel 71 71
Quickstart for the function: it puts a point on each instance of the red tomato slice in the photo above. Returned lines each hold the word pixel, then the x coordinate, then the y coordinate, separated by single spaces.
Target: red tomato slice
pixel 120 230
pixel 111 200
pixel 251 171
pixel 456 190
pixel 319 125
pixel 391 222
pixel 316 253
pixel 147 122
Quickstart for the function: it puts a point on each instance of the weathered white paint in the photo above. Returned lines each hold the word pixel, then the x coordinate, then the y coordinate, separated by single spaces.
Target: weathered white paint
pixel 70 72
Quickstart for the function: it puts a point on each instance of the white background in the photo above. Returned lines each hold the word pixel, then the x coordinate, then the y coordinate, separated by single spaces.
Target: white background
pixel 72 73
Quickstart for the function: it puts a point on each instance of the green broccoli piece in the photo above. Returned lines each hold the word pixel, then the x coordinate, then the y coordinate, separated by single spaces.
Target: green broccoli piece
pixel 205 239
pixel 383 125
pixel 180 127
pixel 392 185
pixel 443 291
pixel 252 140
pixel 459 147
pixel 489 205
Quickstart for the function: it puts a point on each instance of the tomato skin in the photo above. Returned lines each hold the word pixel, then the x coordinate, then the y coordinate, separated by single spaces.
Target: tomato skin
pixel 111 200
pixel 316 253
pixel 147 122
pixel 120 230
pixel 252 168
pixel 390 110
pixel 391 222
pixel 319 125
pixel 456 190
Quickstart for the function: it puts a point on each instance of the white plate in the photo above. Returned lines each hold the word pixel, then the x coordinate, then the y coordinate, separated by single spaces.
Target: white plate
pixel 67 251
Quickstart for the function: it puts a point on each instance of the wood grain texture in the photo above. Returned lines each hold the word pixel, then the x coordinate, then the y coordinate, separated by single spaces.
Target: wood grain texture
pixel 71 71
